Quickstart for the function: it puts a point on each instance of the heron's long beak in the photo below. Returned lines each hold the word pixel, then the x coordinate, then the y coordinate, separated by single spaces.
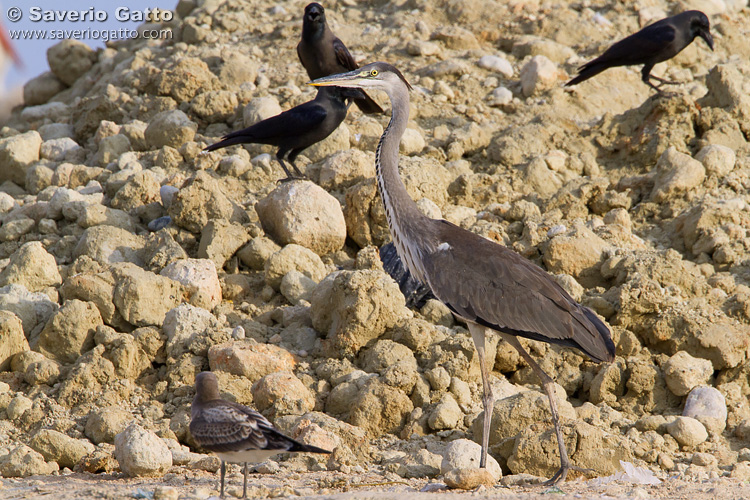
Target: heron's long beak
pixel 706 35
pixel 352 79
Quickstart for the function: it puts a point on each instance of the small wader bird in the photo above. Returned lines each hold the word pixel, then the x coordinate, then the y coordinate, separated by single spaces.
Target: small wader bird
pixel 295 129
pixel 655 43
pixel 234 432
pixel 487 285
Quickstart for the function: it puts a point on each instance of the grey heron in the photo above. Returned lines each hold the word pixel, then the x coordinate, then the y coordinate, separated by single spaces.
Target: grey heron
pixel 487 285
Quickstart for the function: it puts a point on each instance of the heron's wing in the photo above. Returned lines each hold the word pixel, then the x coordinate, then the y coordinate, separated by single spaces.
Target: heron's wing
pixel 489 284
pixel 343 56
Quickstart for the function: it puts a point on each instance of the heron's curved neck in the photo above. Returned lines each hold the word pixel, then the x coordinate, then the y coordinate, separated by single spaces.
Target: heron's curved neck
pixel 405 221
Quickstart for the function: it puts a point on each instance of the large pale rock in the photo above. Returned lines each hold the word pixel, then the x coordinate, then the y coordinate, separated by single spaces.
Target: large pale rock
pixel 293 258
pixel 141 453
pixel 380 409
pixel 141 189
pixel 717 159
pixel 23 461
pixel 142 297
pixel 464 454
pixel 70 59
pixel 257 251
pixel 354 307
pixel 34 309
pixel 578 252
pixel 365 217
pixel 259 109
pixel 708 406
pixel 12 339
pixel 687 431
pixel 191 329
pixel 31 266
pixel 395 363
pixel 103 424
pixel 58 447
pixel 683 372
pixel 346 168
pixel 110 245
pixel 676 174
pixel 185 79
pixel 538 74
pixel 170 128
pixel 515 413
pixel 202 199
pixel 70 332
pixel 250 359
pixel 199 279
pixel 17 154
pixel 220 240
pixel 282 393
pixel 302 212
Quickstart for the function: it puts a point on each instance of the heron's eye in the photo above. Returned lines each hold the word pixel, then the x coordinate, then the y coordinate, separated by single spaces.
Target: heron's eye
pixel 374 72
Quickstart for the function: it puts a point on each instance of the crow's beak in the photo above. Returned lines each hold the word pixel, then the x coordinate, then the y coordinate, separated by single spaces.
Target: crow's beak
pixel 706 35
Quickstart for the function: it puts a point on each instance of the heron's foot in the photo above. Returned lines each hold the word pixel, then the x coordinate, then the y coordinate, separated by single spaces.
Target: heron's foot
pixel 664 81
pixel 291 178
pixel 559 476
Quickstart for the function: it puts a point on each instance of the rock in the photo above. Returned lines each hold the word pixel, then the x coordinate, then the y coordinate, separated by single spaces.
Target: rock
pixel 676 174
pixel 687 431
pixel 422 48
pixel 538 74
pixel 36 369
pixel 57 447
pixel 536 451
pixel 530 45
pixel 190 329
pixel 199 279
pixel 15 229
pixel 17 154
pixel 220 240
pixel 578 252
pixel 397 366
pixel 296 287
pixel 70 59
pixel 497 64
pixel 717 160
pixel 282 393
pixel 103 424
pixel 465 454
pixel 141 189
pixel 110 149
pixel 354 307
pixel 469 478
pixel 500 96
pixel 249 359
pixel 337 141
pixel 301 212
pixel 515 413
pixel 110 245
pixel 455 37
pixel 61 149
pixel 741 471
pixel 259 109
pixel 22 461
pixel 34 309
pixel 142 297
pixel 708 406
pixel 201 199
pixel 12 338
pixel 170 128
pixel 418 465
pixel 446 415
pixel 257 251
pixel 141 453
pixel 346 168
pixel 70 332
pixel 293 257
pixel 41 89
pixel 185 79
pixel 380 409
pixel 365 216
pixel 683 372
pixel 412 142
pixel 31 266
pixel 215 106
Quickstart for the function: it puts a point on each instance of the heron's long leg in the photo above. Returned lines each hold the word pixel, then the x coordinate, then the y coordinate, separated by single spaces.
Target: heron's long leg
pixel 479 335
pixel 223 473
pixel 664 81
pixel 244 488
pixel 549 387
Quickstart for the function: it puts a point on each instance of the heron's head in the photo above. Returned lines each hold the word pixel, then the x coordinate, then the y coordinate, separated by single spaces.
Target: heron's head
pixel 377 75
pixel 315 14
pixel 700 26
